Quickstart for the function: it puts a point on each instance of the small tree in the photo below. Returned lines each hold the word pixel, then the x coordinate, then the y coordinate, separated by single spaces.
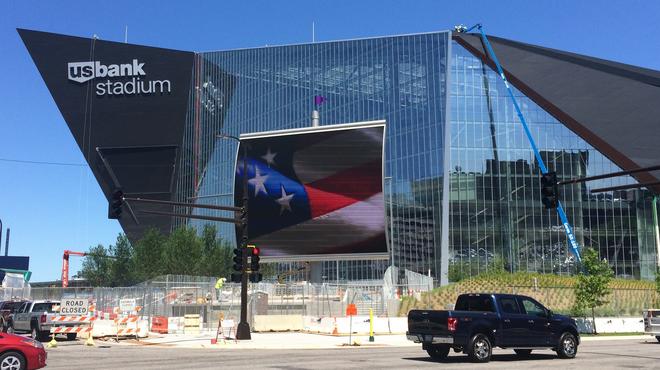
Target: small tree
pixel 592 287
pixel 182 252
pixel 216 254
pixel 147 255
pixel 121 268
pixel 96 267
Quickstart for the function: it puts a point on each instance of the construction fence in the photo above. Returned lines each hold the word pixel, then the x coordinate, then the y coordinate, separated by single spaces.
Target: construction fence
pixel 178 296
pixel 185 301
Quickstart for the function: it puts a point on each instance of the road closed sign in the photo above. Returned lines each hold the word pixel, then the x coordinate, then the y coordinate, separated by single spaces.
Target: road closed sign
pixel 127 305
pixel 74 306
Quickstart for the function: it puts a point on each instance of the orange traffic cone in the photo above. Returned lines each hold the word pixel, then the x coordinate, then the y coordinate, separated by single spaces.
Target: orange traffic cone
pixel 334 330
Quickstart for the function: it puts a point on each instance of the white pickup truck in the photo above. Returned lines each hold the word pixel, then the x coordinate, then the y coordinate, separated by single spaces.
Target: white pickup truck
pixel 37 318
pixel 652 322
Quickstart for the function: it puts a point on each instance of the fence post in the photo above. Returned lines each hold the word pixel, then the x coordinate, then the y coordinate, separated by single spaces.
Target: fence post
pixel 144 308
pixel 383 302
pixel 303 300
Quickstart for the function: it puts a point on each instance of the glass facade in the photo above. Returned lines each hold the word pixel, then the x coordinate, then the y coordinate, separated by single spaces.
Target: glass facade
pixel 450 126
pixel 496 216
pixel 400 79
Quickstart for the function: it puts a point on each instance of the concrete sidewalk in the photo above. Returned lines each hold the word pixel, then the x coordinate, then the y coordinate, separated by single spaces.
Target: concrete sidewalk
pixel 298 340
pixel 288 340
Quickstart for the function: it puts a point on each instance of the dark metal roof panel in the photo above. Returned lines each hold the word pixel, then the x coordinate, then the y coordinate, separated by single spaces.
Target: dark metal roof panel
pixel 140 134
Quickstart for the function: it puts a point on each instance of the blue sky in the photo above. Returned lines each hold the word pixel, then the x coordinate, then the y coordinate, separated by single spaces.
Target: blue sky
pixel 52 208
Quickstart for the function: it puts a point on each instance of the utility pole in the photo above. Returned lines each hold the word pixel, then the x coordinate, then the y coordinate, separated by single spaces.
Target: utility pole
pixel 315 270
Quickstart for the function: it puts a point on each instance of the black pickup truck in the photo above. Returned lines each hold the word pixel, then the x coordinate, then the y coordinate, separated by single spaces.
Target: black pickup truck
pixel 483 321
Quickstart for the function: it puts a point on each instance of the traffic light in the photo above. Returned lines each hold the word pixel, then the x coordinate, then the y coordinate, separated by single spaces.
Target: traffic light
pixel 549 190
pixel 256 277
pixel 238 259
pixel 115 204
pixel 254 259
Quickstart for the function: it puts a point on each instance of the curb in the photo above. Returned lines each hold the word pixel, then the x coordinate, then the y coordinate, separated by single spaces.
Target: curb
pixel 614 337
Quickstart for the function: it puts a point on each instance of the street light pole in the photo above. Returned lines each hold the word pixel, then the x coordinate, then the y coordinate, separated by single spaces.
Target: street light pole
pixel 243 330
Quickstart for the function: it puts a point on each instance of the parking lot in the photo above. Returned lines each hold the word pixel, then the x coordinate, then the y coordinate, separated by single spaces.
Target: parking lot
pixel 601 354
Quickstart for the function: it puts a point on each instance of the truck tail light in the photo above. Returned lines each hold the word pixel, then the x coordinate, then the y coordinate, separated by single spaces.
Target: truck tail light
pixel 451 323
pixel 42 319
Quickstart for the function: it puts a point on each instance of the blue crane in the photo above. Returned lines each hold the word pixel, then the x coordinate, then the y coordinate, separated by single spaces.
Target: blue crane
pixel 573 244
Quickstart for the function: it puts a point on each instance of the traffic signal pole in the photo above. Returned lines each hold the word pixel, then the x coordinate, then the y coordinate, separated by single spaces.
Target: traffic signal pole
pixel 243 330
pixel 575 247
pixel 609 175
pixel 118 200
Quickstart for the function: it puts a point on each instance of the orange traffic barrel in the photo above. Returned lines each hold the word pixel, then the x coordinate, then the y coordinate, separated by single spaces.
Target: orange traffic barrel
pixel 159 324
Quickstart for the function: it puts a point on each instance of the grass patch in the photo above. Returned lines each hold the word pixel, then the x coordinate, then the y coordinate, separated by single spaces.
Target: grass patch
pixel 628 297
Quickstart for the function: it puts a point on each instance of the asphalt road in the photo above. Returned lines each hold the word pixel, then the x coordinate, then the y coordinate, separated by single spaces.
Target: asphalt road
pixel 609 354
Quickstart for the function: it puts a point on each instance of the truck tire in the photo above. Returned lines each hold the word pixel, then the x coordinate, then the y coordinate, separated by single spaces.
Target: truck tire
pixel 12 360
pixel 438 351
pixel 36 334
pixel 567 346
pixel 523 352
pixel 657 337
pixel 480 348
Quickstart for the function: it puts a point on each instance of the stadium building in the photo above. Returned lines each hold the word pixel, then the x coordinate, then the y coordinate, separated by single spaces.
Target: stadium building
pixel 461 183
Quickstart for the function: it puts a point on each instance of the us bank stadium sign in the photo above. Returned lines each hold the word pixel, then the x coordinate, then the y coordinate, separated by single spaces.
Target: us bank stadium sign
pixel 137 84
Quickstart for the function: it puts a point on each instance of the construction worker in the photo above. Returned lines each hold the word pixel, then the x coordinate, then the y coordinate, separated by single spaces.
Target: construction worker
pixel 219 283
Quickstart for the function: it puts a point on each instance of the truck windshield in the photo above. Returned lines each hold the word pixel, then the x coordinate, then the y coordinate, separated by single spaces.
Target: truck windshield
pixel 475 303
pixel 45 307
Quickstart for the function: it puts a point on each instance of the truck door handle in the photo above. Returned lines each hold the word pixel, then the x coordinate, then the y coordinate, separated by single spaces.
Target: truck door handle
pixel 507 320
pixel 530 321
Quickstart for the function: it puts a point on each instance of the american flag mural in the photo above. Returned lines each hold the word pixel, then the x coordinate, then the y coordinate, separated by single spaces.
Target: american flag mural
pixel 315 193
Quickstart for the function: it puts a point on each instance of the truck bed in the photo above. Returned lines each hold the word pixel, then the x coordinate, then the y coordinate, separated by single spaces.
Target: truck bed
pixel 431 326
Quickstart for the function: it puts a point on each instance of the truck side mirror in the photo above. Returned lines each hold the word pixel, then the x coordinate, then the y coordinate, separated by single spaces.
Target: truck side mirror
pixel 550 313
